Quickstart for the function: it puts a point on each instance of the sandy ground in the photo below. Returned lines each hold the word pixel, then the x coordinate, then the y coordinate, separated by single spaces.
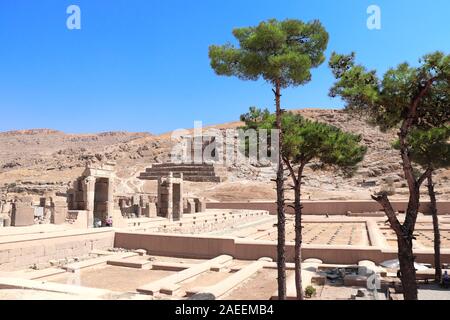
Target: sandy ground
pixel 260 286
pixel 433 292
pixel 205 279
pixel 15 294
pixel 334 292
pixel 111 278
pixel 37 228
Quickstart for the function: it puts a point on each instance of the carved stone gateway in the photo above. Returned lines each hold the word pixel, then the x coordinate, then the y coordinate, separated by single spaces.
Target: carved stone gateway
pixel 170 197
pixel 93 192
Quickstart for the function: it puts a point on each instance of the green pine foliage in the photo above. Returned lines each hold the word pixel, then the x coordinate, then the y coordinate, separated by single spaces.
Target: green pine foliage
pixel 430 148
pixel 283 51
pixel 387 100
pixel 305 140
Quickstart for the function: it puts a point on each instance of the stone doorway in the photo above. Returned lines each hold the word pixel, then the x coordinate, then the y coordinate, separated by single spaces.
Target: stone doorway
pixel 177 201
pixel 101 199
pixel 93 194
pixel 170 197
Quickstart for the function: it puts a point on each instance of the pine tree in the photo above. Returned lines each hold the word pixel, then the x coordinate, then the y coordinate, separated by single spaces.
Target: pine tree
pixel 283 54
pixel 407 98
pixel 305 141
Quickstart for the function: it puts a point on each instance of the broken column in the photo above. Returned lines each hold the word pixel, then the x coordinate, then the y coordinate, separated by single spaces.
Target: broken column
pixel 152 210
pixel 89 199
pixel 200 205
pixel 190 206
pixel 5 213
pixel 164 198
pixel 58 211
pixel 170 197
pixel 110 202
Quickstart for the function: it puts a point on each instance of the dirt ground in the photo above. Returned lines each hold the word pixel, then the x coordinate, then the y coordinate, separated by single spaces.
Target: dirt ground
pixel 260 286
pixel 204 280
pixel 16 294
pixel 334 292
pixel 111 278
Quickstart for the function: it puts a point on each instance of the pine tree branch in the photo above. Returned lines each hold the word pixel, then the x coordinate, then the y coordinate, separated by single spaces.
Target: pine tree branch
pixel 390 213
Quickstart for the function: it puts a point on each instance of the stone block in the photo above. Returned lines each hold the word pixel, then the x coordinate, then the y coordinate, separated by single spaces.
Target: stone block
pixel 170 289
pixel 22 216
pixel 200 205
pixel 355 281
pixel 141 252
pixel 6 221
pixel 318 280
pixel 171 266
pixel 59 214
pixel 155 286
pixel 152 210
pixel 220 288
pixel 190 206
pixel 130 263
pixel 3 257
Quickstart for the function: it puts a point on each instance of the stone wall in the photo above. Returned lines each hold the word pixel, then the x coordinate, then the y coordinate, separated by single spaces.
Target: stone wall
pixel 207 247
pixel 328 207
pixel 23 251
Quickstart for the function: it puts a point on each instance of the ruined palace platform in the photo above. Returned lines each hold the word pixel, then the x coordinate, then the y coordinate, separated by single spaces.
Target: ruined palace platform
pixel 191 172
pixel 226 252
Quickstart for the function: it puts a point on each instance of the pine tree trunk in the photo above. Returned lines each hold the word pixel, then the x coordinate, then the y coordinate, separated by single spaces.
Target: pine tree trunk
pixel 405 244
pixel 405 232
pixel 406 254
pixel 405 235
pixel 281 224
pixel 298 235
pixel 437 234
pixel 407 269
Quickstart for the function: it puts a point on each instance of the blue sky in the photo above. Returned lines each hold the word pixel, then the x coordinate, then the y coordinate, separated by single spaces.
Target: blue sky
pixel 142 65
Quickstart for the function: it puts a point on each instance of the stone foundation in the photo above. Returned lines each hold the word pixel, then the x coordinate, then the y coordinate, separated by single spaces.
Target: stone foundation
pixel 24 251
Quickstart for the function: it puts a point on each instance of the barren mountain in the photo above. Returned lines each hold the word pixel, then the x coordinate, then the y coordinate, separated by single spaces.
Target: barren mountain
pixel 42 160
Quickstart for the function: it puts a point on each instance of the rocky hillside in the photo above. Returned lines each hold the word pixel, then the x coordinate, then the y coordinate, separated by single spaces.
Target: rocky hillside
pixel 40 161
pixel 36 161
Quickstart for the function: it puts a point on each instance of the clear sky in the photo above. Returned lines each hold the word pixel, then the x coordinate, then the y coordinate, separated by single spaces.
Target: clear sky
pixel 142 65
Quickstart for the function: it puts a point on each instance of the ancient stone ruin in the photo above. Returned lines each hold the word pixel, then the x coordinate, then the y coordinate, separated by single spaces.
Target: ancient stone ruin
pixel 92 196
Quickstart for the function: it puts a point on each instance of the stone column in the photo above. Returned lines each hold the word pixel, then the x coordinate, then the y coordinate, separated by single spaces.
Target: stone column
pixel 89 199
pixel 181 199
pixel 164 197
pixel 200 205
pixel 169 190
pixel 159 198
pixel 110 203
pixel 59 211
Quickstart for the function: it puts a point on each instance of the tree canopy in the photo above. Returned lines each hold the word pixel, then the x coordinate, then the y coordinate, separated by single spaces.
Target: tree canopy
pixel 388 100
pixel 305 140
pixel 430 148
pixel 415 100
pixel 283 51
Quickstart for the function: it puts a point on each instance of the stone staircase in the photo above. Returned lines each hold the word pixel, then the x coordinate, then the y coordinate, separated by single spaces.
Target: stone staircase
pixel 191 172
